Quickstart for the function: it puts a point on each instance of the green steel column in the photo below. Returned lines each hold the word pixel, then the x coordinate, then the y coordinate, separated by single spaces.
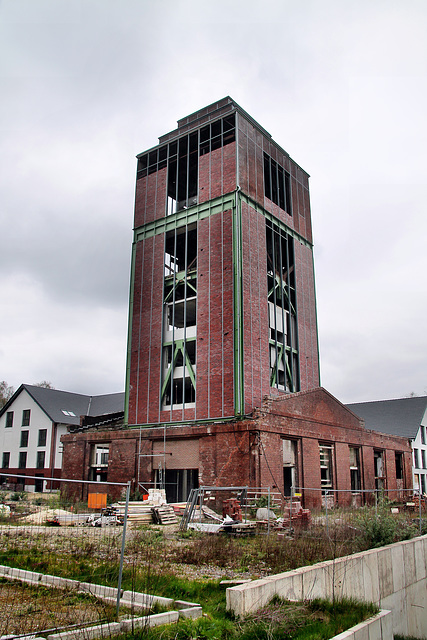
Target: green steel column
pixel 129 342
pixel 239 395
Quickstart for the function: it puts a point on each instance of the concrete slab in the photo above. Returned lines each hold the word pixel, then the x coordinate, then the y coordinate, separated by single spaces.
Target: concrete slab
pixel 420 564
pixel 317 580
pixel 370 577
pixel 289 585
pixel 59 583
pixel 396 552
pixel 97 631
pixel 386 626
pixel 149 621
pixel 396 603
pixel 408 561
pixel 191 612
pixel 385 572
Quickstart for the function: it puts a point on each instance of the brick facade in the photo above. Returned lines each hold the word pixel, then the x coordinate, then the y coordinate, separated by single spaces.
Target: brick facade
pixel 248 452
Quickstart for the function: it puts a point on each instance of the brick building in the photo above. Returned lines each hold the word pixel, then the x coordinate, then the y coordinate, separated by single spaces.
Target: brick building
pixel 222 324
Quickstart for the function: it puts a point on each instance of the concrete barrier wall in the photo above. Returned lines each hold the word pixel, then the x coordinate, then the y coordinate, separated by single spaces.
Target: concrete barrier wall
pixel 394 577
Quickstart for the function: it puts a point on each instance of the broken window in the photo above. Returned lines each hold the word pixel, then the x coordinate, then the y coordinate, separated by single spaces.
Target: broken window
pixel 177 482
pixel 326 477
pixel 399 465
pixel 282 316
pixel 179 318
pixel 379 470
pixel 289 465
pixel 181 158
pixel 355 481
pixel 99 462
pixel 217 134
pixel 277 184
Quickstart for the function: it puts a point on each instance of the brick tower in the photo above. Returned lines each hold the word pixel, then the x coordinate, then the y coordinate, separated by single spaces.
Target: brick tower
pixel 222 304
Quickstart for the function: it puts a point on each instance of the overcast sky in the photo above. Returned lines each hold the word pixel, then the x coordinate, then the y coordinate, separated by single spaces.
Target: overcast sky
pixel 85 85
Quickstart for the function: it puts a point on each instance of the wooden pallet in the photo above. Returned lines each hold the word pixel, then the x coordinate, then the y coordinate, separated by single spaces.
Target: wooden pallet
pixel 164 515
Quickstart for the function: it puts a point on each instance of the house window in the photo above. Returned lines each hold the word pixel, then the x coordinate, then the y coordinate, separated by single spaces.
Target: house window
pixel 355 482
pixel 26 417
pixel 24 438
pixel 22 460
pixel 423 458
pixel 179 318
pixel 40 460
pixel 423 434
pixel 399 465
pixel 379 470
pixel 5 460
pixel 9 419
pixel 42 438
pixel 277 184
pixel 416 459
pixel 282 312
pixel 326 478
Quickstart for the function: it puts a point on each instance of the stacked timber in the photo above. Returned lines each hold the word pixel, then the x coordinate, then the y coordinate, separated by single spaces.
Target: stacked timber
pixel 139 513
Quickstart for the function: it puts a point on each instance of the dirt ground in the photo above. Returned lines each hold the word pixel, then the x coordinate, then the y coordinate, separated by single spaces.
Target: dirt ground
pixel 24 609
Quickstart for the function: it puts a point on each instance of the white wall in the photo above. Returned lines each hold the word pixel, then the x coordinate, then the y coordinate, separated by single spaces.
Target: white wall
pixel 420 468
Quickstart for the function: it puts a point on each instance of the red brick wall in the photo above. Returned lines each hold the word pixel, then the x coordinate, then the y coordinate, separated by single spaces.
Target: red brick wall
pixel 255 311
pixel 215 368
pixel 146 344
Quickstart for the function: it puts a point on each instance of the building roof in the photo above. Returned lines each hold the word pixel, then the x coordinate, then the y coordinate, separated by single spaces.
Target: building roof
pixel 400 417
pixel 66 407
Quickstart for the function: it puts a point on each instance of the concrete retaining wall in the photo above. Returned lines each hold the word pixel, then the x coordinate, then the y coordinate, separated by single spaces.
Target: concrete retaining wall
pixel 394 577
pixel 131 599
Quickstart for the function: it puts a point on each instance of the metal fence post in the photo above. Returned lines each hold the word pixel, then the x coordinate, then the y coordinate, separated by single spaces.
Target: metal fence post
pixel 122 554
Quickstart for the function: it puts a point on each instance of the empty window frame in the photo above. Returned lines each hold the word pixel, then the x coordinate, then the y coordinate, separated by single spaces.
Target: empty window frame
pixel 355 476
pixel 179 318
pixel 5 460
pixel 277 184
pixel 22 460
pixel 100 455
pixel 26 417
pixel 9 419
pixel 289 449
pixel 423 458
pixel 42 438
pixel 181 158
pixel 379 470
pixel 399 465
pixel 326 476
pixel 423 434
pixel 40 460
pixel 282 312
pixel 24 438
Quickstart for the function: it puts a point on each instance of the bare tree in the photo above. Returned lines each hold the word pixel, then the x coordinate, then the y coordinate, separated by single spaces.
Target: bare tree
pixel 45 384
pixel 6 393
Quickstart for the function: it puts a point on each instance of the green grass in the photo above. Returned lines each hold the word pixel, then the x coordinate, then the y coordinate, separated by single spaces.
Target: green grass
pixel 279 620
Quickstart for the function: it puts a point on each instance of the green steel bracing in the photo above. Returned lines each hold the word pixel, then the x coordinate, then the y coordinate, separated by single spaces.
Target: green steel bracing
pixel 179 348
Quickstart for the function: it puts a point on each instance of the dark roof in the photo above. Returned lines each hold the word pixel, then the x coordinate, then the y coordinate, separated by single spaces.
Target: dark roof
pixel 66 407
pixel 401 417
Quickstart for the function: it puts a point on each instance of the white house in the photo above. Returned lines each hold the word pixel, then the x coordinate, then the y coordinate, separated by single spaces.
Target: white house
pixel 401 417
pixel 31 425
